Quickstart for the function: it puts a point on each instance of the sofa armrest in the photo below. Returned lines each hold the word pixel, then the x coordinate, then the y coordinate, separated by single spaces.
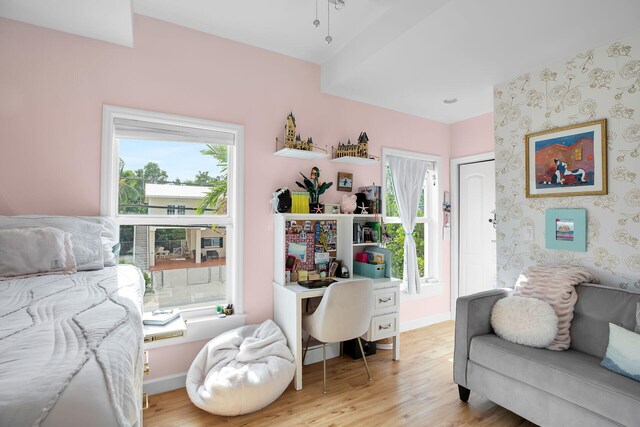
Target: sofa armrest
pixel 473 317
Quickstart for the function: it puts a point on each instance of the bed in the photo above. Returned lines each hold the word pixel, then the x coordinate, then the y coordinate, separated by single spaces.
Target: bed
pixel 71 349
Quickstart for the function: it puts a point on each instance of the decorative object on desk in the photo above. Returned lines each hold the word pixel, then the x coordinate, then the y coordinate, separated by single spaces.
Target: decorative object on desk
pixel 314 187
pixel 281 200
pixel 566 229
pixel 160 317
pixel 361 201
pixel 317 208
pixel 299 202
pixel 372 194
pixel 303 275
pixel 344 271
pixel 345 181
pixel 332 208
pixel 569 161
pixel 348 204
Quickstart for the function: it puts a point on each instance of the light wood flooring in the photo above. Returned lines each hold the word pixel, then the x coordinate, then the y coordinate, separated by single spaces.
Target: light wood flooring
pixel 418 390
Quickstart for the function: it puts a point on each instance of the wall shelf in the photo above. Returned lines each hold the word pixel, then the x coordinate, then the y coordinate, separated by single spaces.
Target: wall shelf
pixel 300 154
pixel 316 153
pixel 355 160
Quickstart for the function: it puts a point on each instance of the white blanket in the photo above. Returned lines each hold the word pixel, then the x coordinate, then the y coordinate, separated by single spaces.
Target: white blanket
pixel 71 349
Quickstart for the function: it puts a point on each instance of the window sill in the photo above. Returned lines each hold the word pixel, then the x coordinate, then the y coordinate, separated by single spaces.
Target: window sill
pixel 201 328
pixel 428 290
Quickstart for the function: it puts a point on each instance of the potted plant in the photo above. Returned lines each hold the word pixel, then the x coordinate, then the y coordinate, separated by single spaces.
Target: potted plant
pixel 315 189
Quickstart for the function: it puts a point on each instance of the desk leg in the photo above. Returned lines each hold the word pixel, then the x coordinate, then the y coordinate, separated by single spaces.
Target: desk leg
pixel 287 314
pixel 396 347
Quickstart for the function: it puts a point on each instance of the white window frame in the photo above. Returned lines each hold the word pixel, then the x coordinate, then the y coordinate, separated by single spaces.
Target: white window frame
pixel 431 220
pixel 233 220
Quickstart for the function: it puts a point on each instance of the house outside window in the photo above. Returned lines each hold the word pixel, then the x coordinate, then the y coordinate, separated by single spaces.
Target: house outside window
pixel 173 183
pixel 427 229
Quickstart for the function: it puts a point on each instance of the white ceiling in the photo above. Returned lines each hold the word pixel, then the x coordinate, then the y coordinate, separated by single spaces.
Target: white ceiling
pixel 405 55
pixel 107 20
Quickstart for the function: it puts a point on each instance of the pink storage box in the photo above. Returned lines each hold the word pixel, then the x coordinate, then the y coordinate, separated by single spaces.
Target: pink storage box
pixel 362 257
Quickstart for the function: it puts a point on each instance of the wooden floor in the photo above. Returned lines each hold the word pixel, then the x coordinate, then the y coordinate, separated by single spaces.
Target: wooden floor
pixel 416 391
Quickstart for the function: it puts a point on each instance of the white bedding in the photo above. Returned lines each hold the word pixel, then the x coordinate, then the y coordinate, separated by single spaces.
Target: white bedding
pixel 71 349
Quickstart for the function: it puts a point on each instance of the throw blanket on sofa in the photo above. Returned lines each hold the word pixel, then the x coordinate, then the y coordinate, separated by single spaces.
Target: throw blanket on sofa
pixel 554 284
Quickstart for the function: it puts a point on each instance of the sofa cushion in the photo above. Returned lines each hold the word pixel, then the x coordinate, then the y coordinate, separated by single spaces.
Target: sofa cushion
pixel 596 307
pixel 623 353
pixel 571 375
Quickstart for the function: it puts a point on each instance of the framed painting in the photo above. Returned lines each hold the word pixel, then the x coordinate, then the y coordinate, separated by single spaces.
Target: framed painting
pixel 566 229
pixel 345 181
pixel 569 161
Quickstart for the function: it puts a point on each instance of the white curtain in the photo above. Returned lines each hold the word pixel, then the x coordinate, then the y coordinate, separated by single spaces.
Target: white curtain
pixel 408 183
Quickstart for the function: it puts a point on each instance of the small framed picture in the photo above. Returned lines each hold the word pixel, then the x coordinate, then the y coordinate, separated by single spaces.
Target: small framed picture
pixel 331 208
pixel 345 181
pixel 566 229
pixel 569 161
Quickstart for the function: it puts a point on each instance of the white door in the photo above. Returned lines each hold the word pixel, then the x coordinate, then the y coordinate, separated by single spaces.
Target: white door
pixel 477 239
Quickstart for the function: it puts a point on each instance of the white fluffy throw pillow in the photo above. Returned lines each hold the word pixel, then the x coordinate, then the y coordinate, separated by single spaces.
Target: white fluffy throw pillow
pixel 526 321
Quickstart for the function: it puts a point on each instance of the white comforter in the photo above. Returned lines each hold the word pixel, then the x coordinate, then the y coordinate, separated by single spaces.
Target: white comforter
pixel 71 349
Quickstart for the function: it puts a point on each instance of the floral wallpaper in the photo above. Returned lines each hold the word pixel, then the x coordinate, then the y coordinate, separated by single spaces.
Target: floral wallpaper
pixel 599 83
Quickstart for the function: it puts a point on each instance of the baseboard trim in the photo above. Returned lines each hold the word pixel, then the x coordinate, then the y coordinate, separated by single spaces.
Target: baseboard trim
pixel 425 321
pixel 162 384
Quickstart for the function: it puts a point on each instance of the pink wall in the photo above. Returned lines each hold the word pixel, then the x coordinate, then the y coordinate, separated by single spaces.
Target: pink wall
pixel 472 136
pixel 53 86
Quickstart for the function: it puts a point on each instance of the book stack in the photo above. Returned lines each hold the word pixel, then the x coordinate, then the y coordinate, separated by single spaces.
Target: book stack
pixel 160 317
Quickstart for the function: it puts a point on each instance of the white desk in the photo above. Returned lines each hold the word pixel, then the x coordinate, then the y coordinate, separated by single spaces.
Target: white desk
pixel 287 313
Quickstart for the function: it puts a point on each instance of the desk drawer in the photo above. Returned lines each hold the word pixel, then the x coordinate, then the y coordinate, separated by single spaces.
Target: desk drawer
pixel 384 326
pixel 385 300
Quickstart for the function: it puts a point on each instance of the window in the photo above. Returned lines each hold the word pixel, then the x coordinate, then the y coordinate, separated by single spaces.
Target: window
pixel 173 184
pixel 426 232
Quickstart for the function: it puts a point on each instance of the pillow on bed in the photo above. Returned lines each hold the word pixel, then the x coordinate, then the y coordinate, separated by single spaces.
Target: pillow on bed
pixel 86 239
pixel 35 251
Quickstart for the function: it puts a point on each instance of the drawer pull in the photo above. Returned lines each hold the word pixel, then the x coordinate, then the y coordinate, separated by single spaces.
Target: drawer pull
pixel 145 400
pixel 380 300
pixel 388 326
pixel 147 370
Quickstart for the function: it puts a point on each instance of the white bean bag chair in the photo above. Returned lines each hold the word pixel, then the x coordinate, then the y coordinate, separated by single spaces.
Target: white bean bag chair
pixel 241 371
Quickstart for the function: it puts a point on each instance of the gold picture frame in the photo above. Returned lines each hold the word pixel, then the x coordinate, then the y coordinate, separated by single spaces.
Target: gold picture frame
pixel 567 161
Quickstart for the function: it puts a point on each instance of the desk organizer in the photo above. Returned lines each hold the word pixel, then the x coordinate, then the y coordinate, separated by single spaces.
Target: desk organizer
pixel 373 271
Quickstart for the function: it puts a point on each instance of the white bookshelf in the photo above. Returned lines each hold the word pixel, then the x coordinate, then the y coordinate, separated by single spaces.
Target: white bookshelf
pixel 345 248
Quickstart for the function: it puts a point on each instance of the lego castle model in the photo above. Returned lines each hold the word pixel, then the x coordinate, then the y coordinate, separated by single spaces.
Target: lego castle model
pixel 361 149
pixel 293 140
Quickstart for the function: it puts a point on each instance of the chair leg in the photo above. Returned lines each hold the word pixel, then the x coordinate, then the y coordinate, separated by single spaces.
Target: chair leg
pixel 364 359
pixel 464 393
pixel 324 370
pixel 306 347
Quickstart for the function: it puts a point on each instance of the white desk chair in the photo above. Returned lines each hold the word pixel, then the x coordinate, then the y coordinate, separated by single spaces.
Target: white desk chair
pixel 343 314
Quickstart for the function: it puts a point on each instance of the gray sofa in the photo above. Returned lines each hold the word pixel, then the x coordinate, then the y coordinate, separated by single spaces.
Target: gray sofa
pixel 549 388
